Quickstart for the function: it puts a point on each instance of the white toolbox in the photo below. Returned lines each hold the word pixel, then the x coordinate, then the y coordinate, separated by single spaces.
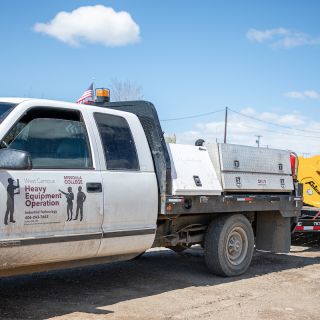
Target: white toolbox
pixel 192 171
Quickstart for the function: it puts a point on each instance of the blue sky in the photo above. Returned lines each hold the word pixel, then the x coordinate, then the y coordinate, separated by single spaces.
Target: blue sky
pixel 192 57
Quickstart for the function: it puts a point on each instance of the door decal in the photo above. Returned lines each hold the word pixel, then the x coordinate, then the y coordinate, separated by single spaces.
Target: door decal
pixel 81 198
pixel 37 201
pixel 70 196
pixel 42 202
pixel 12 190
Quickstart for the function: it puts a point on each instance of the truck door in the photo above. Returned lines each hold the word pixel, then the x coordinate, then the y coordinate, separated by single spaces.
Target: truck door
pixel 130 186
pixel 53 212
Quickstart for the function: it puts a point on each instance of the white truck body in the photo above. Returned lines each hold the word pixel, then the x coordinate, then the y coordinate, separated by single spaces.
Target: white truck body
pixel 93 194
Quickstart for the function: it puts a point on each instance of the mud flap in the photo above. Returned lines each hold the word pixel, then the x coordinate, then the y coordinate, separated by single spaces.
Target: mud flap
pixel 273 232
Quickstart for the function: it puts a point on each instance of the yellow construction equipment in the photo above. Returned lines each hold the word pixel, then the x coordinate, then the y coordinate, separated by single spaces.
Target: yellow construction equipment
pixel 309 176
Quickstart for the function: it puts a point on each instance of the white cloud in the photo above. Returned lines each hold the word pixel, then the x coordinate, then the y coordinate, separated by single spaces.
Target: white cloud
pixel 312 94
pixel 286 119
pixel 294 95
pixel 248 111
pixel 281 37
pixel 291 120
pixel 308 94
pixel 242 130
pixel 92 24
pixel 264 35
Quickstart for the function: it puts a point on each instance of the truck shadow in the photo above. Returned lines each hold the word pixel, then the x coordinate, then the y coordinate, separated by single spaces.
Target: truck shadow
pixel 92 290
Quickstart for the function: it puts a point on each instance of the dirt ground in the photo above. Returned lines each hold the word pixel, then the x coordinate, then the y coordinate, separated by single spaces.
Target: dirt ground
pixel 166 285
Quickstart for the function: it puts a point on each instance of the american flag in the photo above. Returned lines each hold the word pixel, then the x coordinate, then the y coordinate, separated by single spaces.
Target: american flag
pixel 87 94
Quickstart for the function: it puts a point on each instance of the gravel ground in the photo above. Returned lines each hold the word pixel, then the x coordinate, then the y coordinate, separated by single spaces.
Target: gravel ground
pixel 165 285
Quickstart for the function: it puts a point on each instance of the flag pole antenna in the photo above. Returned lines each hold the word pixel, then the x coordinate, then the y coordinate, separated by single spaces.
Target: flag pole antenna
pixel 93 87
pixel 225 125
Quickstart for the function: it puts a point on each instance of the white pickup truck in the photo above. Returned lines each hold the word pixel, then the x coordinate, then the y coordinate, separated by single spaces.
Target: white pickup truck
pixel 81 185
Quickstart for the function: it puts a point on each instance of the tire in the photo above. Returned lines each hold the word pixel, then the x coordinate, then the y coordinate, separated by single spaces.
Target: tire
pixel 229 245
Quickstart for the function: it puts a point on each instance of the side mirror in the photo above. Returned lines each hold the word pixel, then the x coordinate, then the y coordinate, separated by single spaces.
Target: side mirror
pixel 11 159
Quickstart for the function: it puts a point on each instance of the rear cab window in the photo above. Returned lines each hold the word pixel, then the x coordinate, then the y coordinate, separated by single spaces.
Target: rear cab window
pixel 117 141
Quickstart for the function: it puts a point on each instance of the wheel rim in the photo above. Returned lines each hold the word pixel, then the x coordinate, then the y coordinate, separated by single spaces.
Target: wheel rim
pixel 237 246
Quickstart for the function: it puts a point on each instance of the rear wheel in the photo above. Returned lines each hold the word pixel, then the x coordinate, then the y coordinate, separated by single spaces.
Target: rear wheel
pixel 229 244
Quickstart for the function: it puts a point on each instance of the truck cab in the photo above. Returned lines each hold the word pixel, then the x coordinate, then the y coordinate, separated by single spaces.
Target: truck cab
pixel 74 184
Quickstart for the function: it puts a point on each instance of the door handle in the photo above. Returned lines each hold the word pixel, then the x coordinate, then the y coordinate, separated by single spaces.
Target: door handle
pixel 94 187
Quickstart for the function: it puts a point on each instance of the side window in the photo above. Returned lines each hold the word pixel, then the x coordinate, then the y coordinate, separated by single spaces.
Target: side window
pixel 55 139
pixel 117 141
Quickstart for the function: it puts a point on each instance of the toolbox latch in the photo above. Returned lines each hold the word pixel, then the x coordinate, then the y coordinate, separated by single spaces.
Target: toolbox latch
pixel 197 181
pixel 238 182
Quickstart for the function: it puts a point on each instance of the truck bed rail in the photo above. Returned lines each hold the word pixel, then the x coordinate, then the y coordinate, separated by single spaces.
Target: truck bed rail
pixel 287 204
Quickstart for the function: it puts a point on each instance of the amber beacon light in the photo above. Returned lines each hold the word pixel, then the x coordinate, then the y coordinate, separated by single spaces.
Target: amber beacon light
pixel 102 95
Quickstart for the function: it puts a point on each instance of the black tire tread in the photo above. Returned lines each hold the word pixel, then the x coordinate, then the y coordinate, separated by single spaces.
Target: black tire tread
pixel 212 245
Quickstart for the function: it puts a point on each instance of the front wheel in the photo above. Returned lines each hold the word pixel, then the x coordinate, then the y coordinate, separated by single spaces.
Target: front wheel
pixel 229 245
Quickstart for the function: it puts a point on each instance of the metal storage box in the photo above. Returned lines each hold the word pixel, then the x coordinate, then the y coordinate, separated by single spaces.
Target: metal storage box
pixel 192 171
pixel 243 168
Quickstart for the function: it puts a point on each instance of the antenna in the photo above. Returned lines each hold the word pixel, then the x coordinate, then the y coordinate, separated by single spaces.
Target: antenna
pixel 258 140
pixel 225 125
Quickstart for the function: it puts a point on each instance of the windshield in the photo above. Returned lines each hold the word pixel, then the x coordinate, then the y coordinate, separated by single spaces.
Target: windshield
pixel 5 109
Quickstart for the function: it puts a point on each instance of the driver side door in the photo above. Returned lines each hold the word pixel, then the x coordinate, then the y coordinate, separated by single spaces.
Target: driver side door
pixel 53 212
